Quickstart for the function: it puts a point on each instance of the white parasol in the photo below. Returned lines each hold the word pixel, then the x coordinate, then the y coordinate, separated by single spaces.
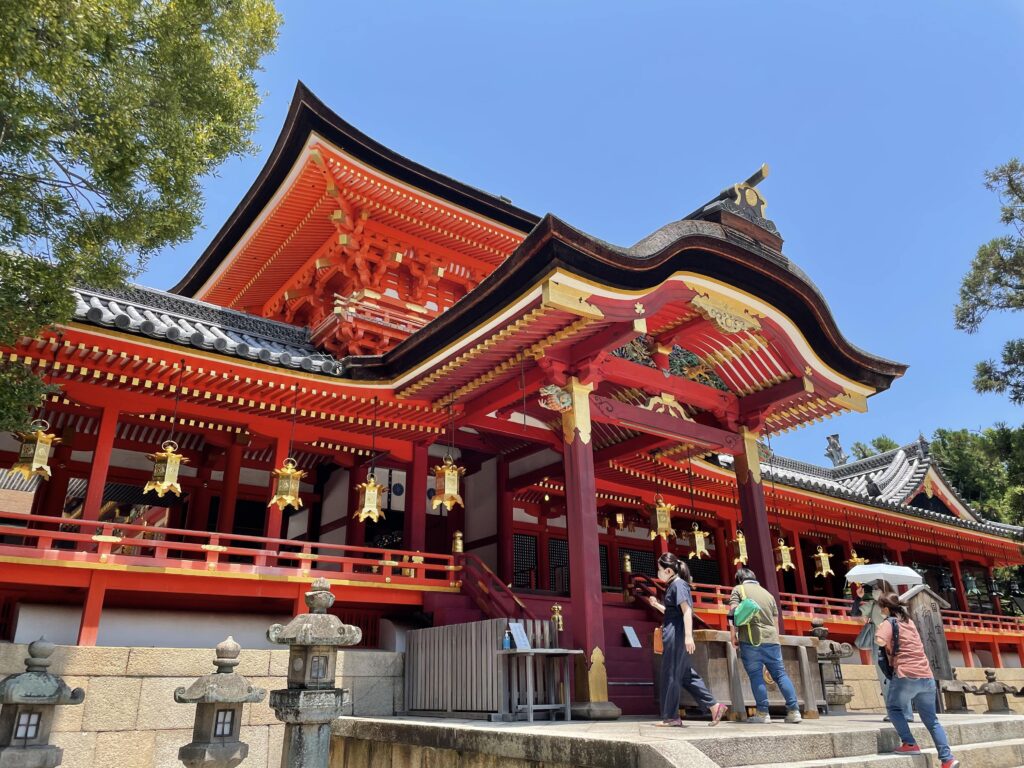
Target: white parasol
pixel 896 575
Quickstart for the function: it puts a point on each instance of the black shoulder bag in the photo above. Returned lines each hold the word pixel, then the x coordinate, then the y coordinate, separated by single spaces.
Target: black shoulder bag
pixel 885 664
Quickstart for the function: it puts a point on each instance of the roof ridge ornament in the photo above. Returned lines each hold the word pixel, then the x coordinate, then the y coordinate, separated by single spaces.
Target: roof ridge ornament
pixel 745 195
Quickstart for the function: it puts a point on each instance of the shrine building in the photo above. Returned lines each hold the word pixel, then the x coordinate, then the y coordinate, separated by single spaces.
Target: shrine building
pixel 455 409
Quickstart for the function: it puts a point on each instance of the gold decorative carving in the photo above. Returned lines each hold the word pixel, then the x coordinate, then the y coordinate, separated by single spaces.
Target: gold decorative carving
pixel 569 299
pixel 929 489
pixel 591 678
pixel 726 316
pixel 577 419
pixel 554 398
pixel 851 401
pixel 666 403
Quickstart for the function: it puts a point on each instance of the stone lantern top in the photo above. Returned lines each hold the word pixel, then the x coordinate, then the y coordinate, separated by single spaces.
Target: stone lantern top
pixel 223 686
pixel 36 685
pixel 316 627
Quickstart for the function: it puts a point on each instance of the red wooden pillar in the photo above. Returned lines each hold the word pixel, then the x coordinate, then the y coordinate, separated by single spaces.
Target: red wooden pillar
pixel 88 629
pixel 100 464
pixel 958 582
pixel 272 528
pixel 414 534
pixel 229 486
pixel 755 515
pixel 801 566
pixel 725 565
pixel 660 546
pixel 997 657
pixel 506 559
pixel 965 651
pixel 997 603
pixel 543 578
pixel 584 565
pixel 199 506
pixel 355 531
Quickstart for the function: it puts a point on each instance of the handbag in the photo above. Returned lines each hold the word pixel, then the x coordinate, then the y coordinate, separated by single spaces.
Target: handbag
pixel 658 644
pixel 866 637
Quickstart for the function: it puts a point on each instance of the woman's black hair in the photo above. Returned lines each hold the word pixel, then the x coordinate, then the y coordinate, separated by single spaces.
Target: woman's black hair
pixel 668 560
pixel 891 601
pixel 745 574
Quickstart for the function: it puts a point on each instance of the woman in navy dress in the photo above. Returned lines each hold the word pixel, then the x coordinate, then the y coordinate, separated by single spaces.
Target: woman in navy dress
pixel 677 639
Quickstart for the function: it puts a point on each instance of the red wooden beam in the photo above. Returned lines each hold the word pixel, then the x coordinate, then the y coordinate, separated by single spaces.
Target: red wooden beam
pixel 517 431
pixel 724 405
pixel 610 411
pixel 756 407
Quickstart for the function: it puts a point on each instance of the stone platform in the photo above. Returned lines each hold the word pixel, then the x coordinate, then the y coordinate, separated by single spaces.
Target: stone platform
pixel 844 741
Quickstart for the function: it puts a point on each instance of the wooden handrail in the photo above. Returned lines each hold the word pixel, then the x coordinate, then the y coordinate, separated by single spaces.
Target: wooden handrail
pixel 487 590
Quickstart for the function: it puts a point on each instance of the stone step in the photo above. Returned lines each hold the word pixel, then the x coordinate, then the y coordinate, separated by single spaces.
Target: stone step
pixel 996 754
pixel 788 744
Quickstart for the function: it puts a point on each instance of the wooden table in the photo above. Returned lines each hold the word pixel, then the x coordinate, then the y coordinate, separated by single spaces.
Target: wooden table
pixel 510 706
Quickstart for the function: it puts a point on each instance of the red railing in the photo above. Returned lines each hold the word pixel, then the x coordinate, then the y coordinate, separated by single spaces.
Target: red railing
pixel 49 538
pixel 983 622
pixel 490 593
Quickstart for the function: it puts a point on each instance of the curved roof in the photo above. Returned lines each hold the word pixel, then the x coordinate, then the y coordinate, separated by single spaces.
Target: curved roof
pixel 308 115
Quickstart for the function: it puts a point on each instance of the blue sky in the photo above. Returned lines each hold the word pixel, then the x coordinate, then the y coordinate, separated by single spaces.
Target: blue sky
pixel 878 120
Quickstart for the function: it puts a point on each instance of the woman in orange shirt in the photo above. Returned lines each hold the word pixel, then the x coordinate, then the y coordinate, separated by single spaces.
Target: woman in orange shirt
pixel 912 680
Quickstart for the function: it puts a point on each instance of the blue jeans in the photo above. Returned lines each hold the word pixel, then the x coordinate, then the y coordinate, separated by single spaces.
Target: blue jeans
pixel 920 691
pixel 769 656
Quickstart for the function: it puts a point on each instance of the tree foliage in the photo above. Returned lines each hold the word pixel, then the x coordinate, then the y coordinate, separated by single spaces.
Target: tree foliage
pixel 880 444
pixel 111 111
pixel 987 468
pixel 995 282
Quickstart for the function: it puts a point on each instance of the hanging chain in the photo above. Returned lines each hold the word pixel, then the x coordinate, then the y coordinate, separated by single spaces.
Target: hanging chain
pixel 522 386
pixel 295 415
pixel 373 440
pixel 177 399
pixel 41 410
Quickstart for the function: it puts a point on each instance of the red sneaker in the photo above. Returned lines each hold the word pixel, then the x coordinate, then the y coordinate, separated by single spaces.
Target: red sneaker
pixel 951 763
pixel 910 749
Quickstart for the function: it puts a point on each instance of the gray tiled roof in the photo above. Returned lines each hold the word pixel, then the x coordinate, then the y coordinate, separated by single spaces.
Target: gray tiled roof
pixel 896 475
pixel 191 323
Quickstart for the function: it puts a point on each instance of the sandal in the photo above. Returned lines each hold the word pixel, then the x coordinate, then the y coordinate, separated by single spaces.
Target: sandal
pixel 717 713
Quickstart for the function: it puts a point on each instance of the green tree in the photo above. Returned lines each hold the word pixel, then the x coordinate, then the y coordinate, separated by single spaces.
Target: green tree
pixel 996 282
pixel 987 468
pixel 110 114
pixel 880 444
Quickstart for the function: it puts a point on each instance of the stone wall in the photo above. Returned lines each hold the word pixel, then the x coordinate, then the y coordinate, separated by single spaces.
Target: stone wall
pixel 867 696
pixel 129 718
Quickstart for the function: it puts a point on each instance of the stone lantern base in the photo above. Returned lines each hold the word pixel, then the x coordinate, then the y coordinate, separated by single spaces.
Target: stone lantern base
pixel 206 755
pixel 307 715
pixel 44 756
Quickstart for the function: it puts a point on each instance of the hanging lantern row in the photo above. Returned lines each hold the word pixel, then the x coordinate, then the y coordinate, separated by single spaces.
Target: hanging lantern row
pixel 371 500
pixel 446 484
pixel 783 558
pixel 700 547
pixel 822 564
pixel 286 485
pixel 34 453
pixel 661 519
pixel 740 543
pixel 166 464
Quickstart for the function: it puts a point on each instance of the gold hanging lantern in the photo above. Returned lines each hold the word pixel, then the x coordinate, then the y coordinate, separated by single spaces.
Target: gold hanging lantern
pixel 741 548
pixel 783 558
pixel 371 500
pixel 821 562
pixel 620 520
pixel 661 519
pixel 446 484
pixel 34 454
pixel 166 464
pixel 700 546
pixel 855 560
pixel 286 485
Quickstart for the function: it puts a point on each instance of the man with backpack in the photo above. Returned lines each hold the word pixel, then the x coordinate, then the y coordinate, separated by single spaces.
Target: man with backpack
pixel 753 624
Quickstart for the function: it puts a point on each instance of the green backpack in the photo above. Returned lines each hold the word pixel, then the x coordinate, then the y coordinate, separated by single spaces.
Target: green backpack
pixel 744 613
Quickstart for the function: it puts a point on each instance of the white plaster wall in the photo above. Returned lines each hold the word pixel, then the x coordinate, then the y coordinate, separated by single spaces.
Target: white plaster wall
pixel 297 524
pixel 163 629
pixel 335 501
pixel 337 536
pixel 532 462
pixel 482 502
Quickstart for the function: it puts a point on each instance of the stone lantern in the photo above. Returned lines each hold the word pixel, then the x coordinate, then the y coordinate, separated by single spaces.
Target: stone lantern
pixel 218 698
pixel 27 703
pixel 310 702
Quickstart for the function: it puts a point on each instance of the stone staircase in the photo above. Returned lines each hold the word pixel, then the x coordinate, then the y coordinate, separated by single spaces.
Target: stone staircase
pixel 989 742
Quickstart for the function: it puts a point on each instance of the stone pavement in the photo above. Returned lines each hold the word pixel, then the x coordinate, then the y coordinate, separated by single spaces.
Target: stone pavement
pixel 847 741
